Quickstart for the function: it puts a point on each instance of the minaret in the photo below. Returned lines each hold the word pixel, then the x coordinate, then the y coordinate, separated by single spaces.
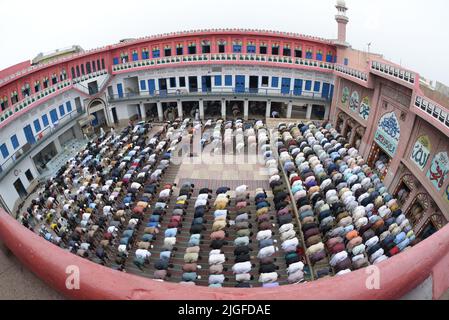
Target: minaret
pixel 342 20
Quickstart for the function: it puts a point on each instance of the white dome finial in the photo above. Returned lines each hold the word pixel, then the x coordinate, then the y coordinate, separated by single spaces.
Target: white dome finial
pixel 341 3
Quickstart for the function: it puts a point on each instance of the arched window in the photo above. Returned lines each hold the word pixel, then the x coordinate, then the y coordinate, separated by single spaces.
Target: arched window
pixel 263 48
pixel 73 72
pixel 251 47
pixel 205 46
pixel 329 57
pixel 145 54
pixel 37 86
pixel 135 55
pixel 287 50
pixel 237 46
pixel 156 52
pixel 275 49
pixel 45 82
pixel 309 54
pixel 167 51
pixel 124 57
pixel 191 48
pixel 179 49
pixel 4 103
pixel 319 55
pixel 14 97
pixel 88 69
pixel 221 46
pixel 298 52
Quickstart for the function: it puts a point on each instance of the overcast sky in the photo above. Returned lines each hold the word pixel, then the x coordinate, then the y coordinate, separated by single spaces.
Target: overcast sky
pixel 413 33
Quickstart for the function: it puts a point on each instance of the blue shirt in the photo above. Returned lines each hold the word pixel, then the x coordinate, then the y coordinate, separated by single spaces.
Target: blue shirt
pixel 170 233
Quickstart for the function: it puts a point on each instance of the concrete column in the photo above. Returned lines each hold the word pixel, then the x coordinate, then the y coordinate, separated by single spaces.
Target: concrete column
pixel 142 111
pixel 179 109
pixel 245 109
pixel 160 112
pixel 326 112
pixel 201 105
pixel 309 112
pixel 223 109
pixel 57 144
pixel 268 111
pixel 289 110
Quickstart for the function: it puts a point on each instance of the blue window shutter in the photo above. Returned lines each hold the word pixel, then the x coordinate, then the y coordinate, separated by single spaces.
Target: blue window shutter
pixel 115 61
pixel 228 80
pixel 143 85
pixel 69 106
pixel 4 150
pixel 120 90
pixel 45 120
pixel 218 81
pixel 308 85
pixel 14 142
pixel 53 116
pixel 275 82
pixel 317 86
pixel 61 110
pixel 37 125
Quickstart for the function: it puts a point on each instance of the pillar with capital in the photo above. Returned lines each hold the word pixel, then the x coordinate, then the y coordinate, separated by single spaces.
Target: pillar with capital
pixel 201 107
pixel 245 109
pixel 142 111
pixel 268 111
pixel 289 110
pixel 223 108
pixel 309 112
pixel 179 104
pixel 160 113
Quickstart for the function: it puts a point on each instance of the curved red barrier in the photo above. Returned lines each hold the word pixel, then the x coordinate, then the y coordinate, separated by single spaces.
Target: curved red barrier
pixel 398 275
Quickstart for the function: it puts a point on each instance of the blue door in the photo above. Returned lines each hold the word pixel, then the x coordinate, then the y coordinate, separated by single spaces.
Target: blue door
pixel 297 90
pixel 95 120
pixel 206 84
pixel 151 86
pixel 120 90
pixel 240 84
pixel 285 89
pixel 29 134
pixel 325 91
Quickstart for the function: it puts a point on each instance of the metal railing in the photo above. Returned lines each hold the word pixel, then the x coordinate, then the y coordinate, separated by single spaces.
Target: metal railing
pixel 30 100
pixel 233 91
pixel 223 57
pixel 20 154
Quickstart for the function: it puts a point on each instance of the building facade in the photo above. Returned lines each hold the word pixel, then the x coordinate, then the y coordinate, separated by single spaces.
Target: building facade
pixel 384 110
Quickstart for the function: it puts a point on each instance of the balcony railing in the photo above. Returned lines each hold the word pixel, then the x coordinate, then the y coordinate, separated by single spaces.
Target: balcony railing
pixel 231 91
pixel 90 76
pixel 28 101
pixel 223 57
pixel 352 72
pixel 438 112
pixel 40 138
pixel 393 71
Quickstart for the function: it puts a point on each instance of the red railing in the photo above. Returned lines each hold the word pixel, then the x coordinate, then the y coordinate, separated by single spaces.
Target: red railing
pixel 398 275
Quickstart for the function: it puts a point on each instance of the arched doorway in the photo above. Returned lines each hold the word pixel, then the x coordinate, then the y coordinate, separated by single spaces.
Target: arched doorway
pixel 98 116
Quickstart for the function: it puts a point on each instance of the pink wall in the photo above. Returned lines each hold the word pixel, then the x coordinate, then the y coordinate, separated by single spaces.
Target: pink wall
pixel 398 275
pixel 108 53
